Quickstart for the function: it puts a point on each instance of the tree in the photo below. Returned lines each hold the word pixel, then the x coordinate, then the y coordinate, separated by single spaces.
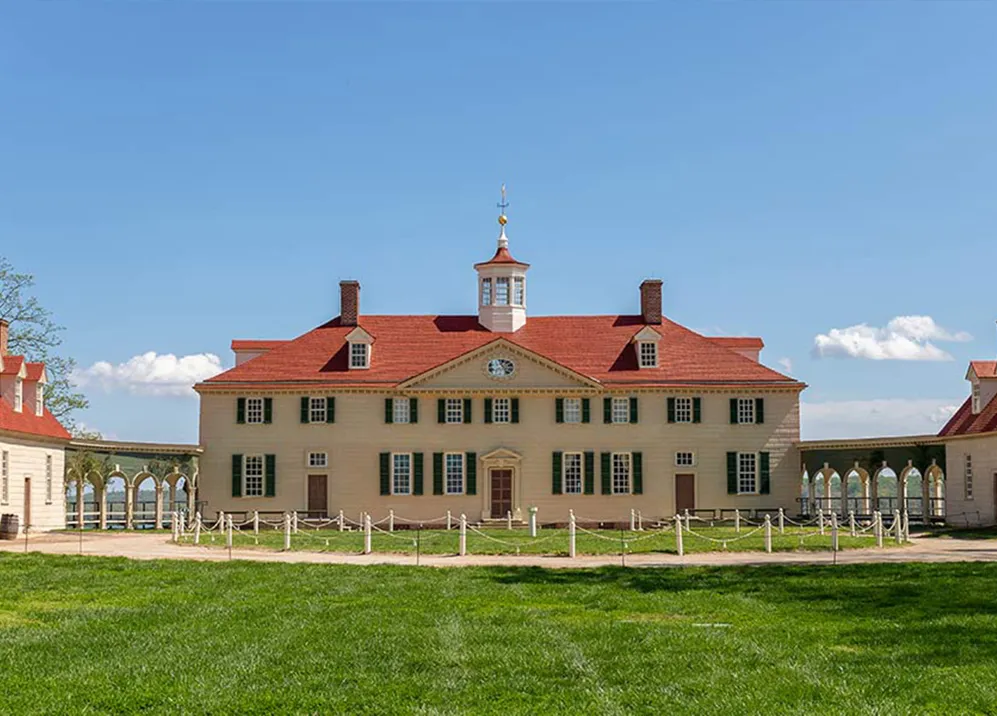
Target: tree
pixel 36 336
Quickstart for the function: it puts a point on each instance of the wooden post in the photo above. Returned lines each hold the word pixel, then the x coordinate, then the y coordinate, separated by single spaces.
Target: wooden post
pixel 197 528
pixel 508 520
pixel 820 519
pixel 834 531
pixel 737 520
pixel 768 533
pixel 877 527
pixel 571 535
pixel 366 534
pixel 782 521
pixel 342 521
pixel 678 534
pixel 533 522
pixel 463 535
pixel 228 532
pixel 851 522
pixel 391 520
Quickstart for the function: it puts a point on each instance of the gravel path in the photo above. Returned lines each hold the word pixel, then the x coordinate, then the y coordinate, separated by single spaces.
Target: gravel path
pixel 136 545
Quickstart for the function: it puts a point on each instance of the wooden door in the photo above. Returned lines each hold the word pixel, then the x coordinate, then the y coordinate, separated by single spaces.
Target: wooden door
pixel 318 496
pixel 501 492
pixel 27 503
pixel 685 493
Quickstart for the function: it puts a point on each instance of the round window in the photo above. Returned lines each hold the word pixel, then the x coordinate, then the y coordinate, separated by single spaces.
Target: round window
pixel 501 368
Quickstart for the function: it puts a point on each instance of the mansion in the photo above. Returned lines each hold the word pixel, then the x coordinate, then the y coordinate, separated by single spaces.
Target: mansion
pixel 493 413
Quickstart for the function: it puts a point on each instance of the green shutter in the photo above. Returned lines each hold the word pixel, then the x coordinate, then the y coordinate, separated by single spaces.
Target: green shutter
pixel 607 474
pixel 271 475
pixel 607 410
pixel 305 409
pixel 514 410
pixel 671 410
pixel 759 410
pixel 732 473
pixel 488 410
pixel 589 473
pixel 413 410
pixel 385 473
pixel 637 465
pixel 441 410
pixel 467 410
pixel 389 410
pixel 417 473
pixel 733 411
pixel 268 410
pixel 697 410
pixel 633 410
pixel 330 409
pixel 555 473
pixel 586 412
pixel 240 410
pixel 437 473
pixel 558 410
pixel 237 475
pixel 763 473
pixel 471 466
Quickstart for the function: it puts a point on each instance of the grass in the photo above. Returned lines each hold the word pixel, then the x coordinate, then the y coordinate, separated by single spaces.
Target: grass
pixel 99 635
pixel 548 541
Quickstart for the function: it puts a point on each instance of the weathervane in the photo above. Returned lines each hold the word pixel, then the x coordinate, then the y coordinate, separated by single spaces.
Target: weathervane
pixel 502 205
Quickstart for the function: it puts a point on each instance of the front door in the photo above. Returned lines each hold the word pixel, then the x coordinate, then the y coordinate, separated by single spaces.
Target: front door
pixel 501 492
pixel 685 493
pixel 318 505
pixel 27 503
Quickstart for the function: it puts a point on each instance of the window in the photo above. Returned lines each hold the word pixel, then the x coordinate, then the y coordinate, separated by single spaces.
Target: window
pixel 318 459
pixel 683 410
pixel 401 473
pixel 18 395
pixel 968 474
pixel 4 477
pixel 316 410
pixel 48 479
pixel 518 291
pixel 501 412
pixel 685 459
pixel 254 410
pixel 745 410
pixel 454 462
pixel 400 410
pixel 572 473
pixel 648 354
pixel 572 410
pixel 502 291
pixel 252 476
pixel 455 410
pixel 976 398
pixel 621 473
pixel 621 410
pixel 486 292
pixel 359 355
pixel 747 473
pixel 39 400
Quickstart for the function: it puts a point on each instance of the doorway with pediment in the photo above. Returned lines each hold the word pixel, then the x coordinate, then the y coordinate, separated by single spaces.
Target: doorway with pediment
pixel 502 490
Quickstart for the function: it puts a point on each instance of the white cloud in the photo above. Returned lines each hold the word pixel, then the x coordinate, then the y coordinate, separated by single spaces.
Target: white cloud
pixel 786 363
pixel 903 338
pixel 151 374
pixel 874 418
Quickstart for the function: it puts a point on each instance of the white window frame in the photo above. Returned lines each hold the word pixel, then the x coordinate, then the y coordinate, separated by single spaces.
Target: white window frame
pixel 401 410
pixel 251 479
pixel 621 471
pixel 683 409
pixel 501 410
pixel 48 479
pixel 4 477
pixel 359 355
pixel 518 291
pixel 39 399
pixel 486 292
pixel 502 291
pixel 685 458
pixel 976 398
pixel 572 473
pixel 620 408
pixel 18 395
pixel 747 473
pixel 746 413
pixel 448 487
pixel 572 410
pixel 254 411
pixel 397 475
pixel 454 415
pixel 317 408
pixel 647 354
pixel 317 460
pixel 968 477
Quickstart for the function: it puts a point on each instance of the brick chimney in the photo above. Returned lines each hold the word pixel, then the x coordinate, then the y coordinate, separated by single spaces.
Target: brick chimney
pixel 4 332
pixel 349 302
pixel 650 300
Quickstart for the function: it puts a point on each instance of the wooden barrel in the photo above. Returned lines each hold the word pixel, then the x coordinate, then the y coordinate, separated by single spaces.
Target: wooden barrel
pixel 9 525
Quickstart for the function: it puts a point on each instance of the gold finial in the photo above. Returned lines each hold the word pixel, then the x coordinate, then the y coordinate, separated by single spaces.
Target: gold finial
pixel 502 205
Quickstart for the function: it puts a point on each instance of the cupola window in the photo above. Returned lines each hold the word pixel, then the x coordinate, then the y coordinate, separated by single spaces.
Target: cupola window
pixel 486 292
pixel 502 291
pixel 518 291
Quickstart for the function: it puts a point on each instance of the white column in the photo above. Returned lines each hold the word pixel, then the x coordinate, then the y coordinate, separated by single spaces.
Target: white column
pixel 228 532
pixel 851 522
pixel 129 506
pixel 287 532
pixel 768 533
pixel 533 522
pixel 737 520
pixel 678 534
pixel 782 521
pixel 571 535
pixel 197 528
pixel 159 506
pixel 366 534
pixel 463 535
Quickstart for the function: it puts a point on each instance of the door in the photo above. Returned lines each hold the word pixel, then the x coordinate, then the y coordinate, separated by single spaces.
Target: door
pixel 685 493
pixel 501 492
pixel 27 503
pixel 318 496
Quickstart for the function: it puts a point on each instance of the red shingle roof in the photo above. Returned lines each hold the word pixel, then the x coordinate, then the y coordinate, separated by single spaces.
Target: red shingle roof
pixel 984 368
pixel 12 365
pixel 254 345
pixel 34 371
pixel 502 256
pixel 27 421
pixel 965 423
pixel 599 347
pixel 738 342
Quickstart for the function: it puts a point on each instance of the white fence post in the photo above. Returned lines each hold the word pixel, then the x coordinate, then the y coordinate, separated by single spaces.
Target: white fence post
pixel 391 520
pixel 366 533
pixel 768 533
pixel 449 521
pixel 737 520
pixel 834 531
pixel 897 527
pixel 782 521
pixel 463 535
pixel 633 520
pixel 687 527
pixel 640 522
pixel 851 522
pixel 678 534
pixel 877 527
pixel 508 520
pixel 197 528
pixel 820 519
pixel 228 532
pixel 287 532
pixel 294 522
pixel 342 521
pixel 256 522
pixel 533 522
pixel 571 535
pixel 173 527
pixel 906 524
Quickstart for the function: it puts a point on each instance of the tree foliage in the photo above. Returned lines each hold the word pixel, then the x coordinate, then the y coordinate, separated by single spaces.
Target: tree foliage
pixel 34 334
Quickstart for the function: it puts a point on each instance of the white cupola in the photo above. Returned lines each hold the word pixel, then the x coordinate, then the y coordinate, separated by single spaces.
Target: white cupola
pixel 502 286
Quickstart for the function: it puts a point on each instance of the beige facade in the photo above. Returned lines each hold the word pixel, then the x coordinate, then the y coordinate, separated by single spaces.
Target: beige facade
pixel 31 482
pixel 971 480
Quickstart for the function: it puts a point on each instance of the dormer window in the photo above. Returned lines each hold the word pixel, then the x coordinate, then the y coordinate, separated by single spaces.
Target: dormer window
pixel 502 291
pixel 486 292
pixel 648 351
pixel 976 398
pixel 18 395
pixel 359 355
pixel 39 400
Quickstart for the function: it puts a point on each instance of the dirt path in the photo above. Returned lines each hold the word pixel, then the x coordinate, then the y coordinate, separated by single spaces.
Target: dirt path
pixel 157 546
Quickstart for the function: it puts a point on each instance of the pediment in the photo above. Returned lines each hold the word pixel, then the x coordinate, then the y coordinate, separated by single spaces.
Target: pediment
pixel 359 335
pixel 501 454
pixel 647 334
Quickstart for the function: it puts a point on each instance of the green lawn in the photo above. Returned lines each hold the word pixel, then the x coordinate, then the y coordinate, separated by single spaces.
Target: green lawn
pixel 98 635
pixel 549 541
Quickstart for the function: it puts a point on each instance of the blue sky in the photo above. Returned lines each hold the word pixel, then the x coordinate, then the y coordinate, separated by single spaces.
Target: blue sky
pixel 179 174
